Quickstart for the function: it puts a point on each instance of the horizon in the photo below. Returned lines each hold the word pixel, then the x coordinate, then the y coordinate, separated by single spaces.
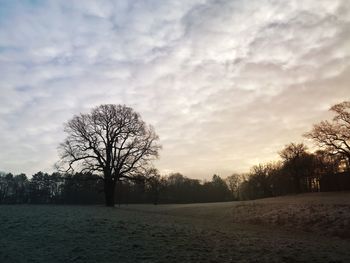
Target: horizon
pixel 222 95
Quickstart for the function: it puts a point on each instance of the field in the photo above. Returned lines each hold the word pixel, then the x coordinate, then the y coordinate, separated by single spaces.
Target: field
pixel 302 228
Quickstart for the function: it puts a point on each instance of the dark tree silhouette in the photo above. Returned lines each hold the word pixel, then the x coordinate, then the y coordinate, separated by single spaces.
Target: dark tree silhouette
pixel 20 184
pixel 233 181
pixel 296 162
pixel 6 182
pixel 40 188
pixel 217 190
pixel 155 184
pixel 81 188
pixel 334 136
pixel 262 178
pixel 113 141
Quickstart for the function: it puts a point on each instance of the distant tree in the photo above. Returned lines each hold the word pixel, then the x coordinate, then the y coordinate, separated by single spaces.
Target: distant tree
pixel 280 180
pixel 326 163
pixel 156 184
pixel 261 175
pixel 39 188
pixel 233 181
pixel 217 190
pixel 113 141
pixel 81 188
pixel 6 183
pixel 177 188
pixel 176 179
pixel 55 187
pixel 334 136
pixel 139 189
pixel 297 162
pixel 245 192
pixel 20 186
pixel 258 182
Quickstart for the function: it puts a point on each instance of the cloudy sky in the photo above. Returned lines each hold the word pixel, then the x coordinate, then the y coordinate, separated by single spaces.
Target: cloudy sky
pixel 225 83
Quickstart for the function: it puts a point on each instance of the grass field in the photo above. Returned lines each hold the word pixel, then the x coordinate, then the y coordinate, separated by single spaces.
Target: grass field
pixel 218 232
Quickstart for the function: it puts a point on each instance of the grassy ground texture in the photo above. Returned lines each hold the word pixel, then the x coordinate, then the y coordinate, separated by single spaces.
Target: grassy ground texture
pixel 218 232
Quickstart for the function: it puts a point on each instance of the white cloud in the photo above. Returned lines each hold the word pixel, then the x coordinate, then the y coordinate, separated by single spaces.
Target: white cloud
pixel 225 83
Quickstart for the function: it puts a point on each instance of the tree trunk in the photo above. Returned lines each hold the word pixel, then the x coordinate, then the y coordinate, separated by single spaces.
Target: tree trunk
pixel 109 189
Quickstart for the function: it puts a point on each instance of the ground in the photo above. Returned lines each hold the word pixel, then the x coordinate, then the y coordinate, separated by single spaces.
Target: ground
pixel 218 232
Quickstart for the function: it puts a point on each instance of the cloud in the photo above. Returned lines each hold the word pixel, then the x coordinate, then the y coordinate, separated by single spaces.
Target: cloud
pixel 225 83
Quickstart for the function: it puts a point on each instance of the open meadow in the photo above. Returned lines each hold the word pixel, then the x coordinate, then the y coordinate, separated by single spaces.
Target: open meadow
pixel 218 232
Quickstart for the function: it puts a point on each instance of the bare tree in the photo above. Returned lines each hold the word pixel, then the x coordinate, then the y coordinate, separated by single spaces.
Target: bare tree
pixel 293 151
pixel 260 174
pixel 112 141
pixel 334 136
pixel 295 160
pixel 233 181
pixel 155 183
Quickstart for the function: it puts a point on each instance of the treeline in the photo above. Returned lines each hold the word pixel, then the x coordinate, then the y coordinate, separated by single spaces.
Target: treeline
pixel 328 169
pixel 174 188
pixel 85 188
pixel 299 172
pixel 55 188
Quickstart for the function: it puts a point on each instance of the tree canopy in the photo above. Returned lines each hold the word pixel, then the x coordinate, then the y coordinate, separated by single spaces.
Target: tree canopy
pixel 334 136
pixel 112 141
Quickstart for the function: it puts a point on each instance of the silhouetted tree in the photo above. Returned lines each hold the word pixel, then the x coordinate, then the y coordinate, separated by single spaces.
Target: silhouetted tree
pixel 39 188
pixel 20 188
pixel 180 189
pixel 262 177
pixel 6 183
pixel 81 188
pixel 112 140
pixel 334 136
pixel 233 181
pixel 296 162
pixel 258 183
pixel 156 184
pixel 280 180
pixel 217 190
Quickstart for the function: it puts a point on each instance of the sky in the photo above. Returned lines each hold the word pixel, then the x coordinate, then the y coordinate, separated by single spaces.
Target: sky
pixel 225 83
